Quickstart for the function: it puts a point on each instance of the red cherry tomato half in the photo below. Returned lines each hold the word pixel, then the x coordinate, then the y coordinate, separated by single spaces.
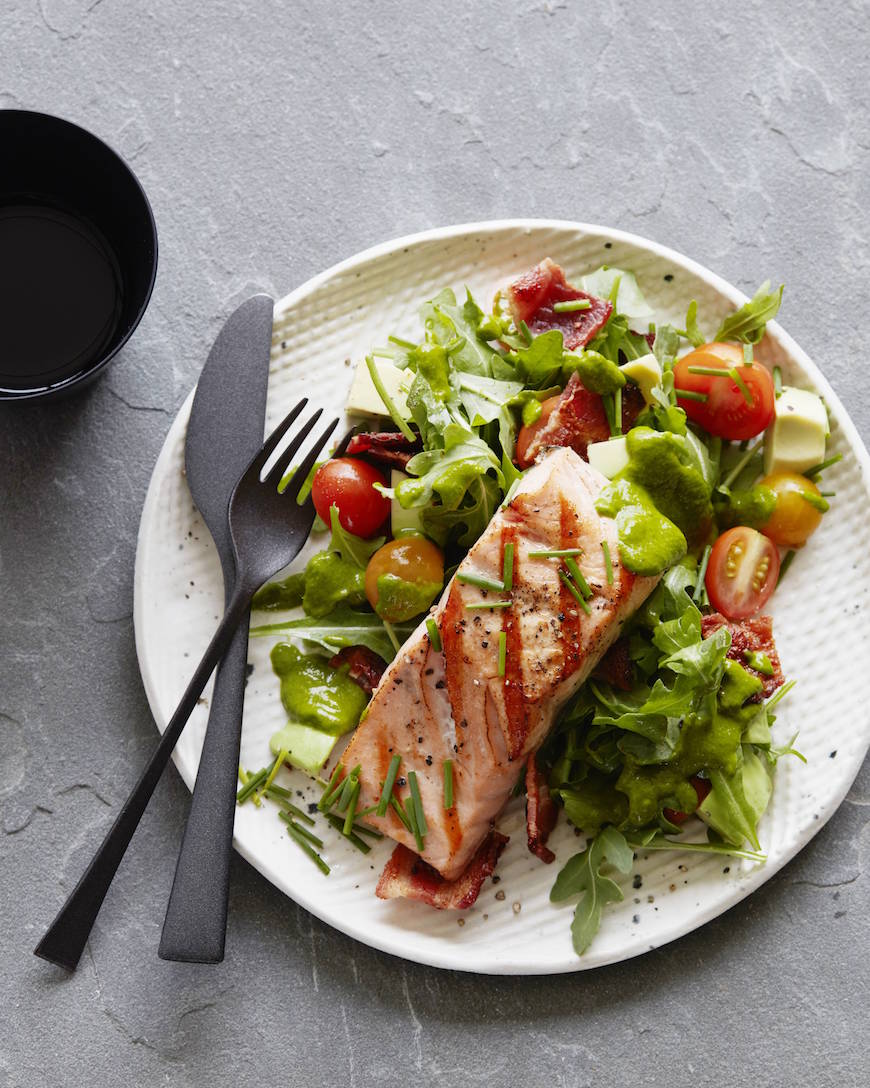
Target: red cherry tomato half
pixel 348 483
pixel 529 430
pixel 729 411
pixel 742 572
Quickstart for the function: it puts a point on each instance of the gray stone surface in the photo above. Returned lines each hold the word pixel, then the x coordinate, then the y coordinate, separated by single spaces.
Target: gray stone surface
pixel 275 139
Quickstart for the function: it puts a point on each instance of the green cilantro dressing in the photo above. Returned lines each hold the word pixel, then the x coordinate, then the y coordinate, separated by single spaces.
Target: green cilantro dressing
pixel 648 542
pixel 280 596
pixel 400 599
pixel 752 507
pixel 598 375
pixel 316 694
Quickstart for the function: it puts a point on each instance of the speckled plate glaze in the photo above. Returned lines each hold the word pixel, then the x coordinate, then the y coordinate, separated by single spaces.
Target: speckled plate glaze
pixel 320 330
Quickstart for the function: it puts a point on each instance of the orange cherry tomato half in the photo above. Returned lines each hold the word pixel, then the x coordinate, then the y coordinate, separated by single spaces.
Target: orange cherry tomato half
pixel 742 572
pixel 529 431
pixel 348 483
pixel 794 519
pixel 412 558
pixel 728 411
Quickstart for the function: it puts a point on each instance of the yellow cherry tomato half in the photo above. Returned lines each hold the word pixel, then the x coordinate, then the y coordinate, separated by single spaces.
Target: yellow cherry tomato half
pixel 798 511
pixel 411 558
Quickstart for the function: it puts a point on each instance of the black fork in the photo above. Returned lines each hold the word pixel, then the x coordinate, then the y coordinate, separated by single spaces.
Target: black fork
pixel 268 528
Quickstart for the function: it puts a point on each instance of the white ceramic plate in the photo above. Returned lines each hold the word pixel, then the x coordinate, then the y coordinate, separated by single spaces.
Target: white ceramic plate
pixel 319 330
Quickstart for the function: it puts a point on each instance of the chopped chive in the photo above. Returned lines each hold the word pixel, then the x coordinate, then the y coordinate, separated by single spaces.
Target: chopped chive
pixel 332 787
pixel 818 469
pixel 605 547
pixel 688 394
pixel 778 696
pixel 575 592
pixel 579 580
pixel 399 810
pixel 709 371
pixel 785 564
pixel 383 353
pixel 418 802
pixel 816 501
pixel 777 382
pixel 702 573
pixel 352 838
pixel 734 375
pixel 282 755
pixel 829 494
pixel 243 776
pixel 479 580
pixel 490 604
pixel 389 782
pixel 742 463
pixel 617 412
pixel 288 806
pixel 758 661
pixel 392 410
pixel 527 335
pixel 368 810
pixel 347 788
pixel 571 305
pixel 434 637
pixel 555 553
pixel 251 785
pixel 351 807
pixel 748 354
pixel 401 343
pixel 507 573
pixel 411 821
pixel 388 627
pixel 296 835
pixel 448 783
pixel 312 838
pixel 502 653
pixel 366 829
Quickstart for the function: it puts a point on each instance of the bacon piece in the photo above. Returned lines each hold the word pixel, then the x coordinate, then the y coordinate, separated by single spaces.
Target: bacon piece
pixel 385 447
pixel 366 667
pixel 755 634
pixel 616 667
pixel 578 419
pixel 407 876
pixel 534 294
pixel 541 812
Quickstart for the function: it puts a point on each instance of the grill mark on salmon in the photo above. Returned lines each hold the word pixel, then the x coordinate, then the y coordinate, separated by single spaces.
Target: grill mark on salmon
pixel 514 698
pixel 569 609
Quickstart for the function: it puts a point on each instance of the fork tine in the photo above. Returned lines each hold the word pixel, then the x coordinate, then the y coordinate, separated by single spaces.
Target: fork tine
pixel 275 437
pixel 282 464
pixel 312 455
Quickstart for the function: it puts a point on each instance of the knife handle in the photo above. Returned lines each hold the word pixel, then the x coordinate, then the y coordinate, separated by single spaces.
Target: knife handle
pixel 194 929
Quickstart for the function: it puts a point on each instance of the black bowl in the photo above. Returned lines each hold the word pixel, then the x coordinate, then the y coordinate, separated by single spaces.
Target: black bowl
pixel 78 255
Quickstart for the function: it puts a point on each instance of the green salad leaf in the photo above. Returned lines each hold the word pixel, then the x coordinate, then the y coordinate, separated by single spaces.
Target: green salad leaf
pixel 749 322
pixel 344 626
pixel 621 287
pixel 583 876
pixel 540 363
pixel 338 573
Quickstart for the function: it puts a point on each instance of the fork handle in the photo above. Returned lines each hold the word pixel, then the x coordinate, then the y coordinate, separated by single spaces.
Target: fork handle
pixel 194 929
pixel 65 939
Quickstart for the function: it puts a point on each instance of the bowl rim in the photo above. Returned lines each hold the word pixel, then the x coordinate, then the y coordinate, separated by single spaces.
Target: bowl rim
pixel 83 377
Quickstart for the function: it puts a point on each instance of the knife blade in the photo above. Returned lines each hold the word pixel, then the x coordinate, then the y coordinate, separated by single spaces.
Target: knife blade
pixel 225 430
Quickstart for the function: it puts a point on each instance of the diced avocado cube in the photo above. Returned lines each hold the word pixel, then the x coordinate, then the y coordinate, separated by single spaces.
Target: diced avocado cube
pixel 795 440
pixel 608 457
pixel 364 400
pixel 307 748
pixel 645 372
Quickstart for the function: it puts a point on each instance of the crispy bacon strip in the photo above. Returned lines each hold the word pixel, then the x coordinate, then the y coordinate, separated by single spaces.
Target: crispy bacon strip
pixel 616 667
pixel 578 419
pixel 541 812
pixel 755 634
pixel 366 667
pixel 406 876
pixel 534 294
pixel 385 447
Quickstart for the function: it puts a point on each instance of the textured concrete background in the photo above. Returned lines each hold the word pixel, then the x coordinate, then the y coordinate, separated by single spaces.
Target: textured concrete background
pixel 275 139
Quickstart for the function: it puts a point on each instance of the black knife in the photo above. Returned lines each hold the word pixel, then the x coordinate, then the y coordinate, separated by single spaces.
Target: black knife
pixel 225 431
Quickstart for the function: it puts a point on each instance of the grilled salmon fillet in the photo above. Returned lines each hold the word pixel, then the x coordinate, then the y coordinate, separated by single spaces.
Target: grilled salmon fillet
pixel 454 704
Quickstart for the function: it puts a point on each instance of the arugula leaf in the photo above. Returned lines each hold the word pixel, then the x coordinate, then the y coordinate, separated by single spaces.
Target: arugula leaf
pixel 485 399
pixel 628 298
pixel 737 801
pixel 655 840
pixel 481 501
pixel 703 662
pixel 540 363
pixel 353 549
pixel 447 322
pixel 343 627
pixel 748 323
pixel 582 876
pixel 449 471
pixel 693 333
pixel 666 345
pixel 337 574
